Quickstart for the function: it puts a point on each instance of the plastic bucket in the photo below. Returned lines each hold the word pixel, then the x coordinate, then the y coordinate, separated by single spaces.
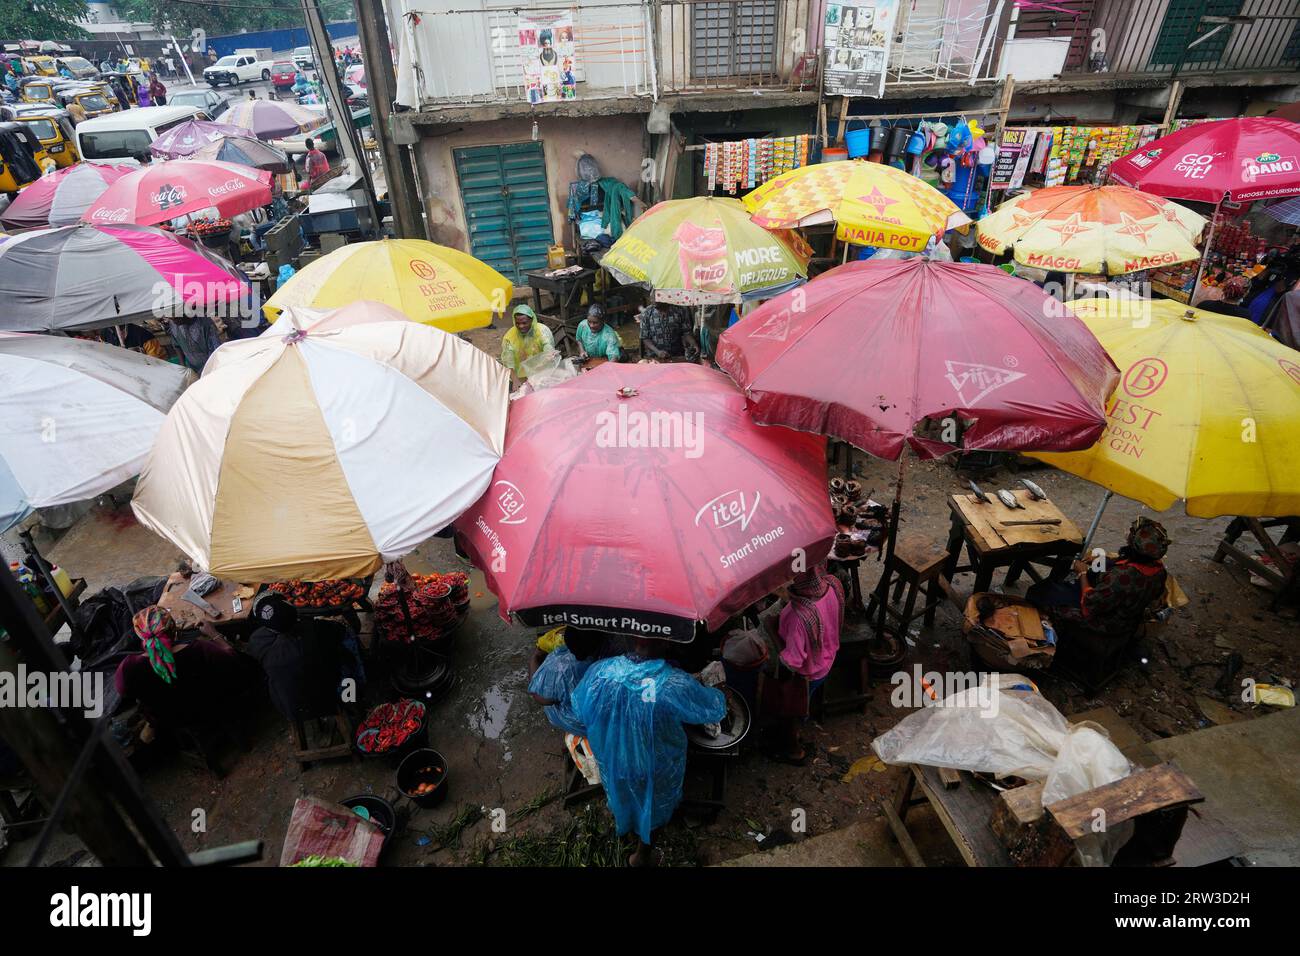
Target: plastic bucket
pixel 380 811
pixel 413 771
pixel 832 154
pixel 858 142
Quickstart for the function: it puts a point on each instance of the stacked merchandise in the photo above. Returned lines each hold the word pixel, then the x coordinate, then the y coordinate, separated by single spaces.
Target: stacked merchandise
pixel 745 164
pixel 426 610
pixel 337 593
pixel 1082 153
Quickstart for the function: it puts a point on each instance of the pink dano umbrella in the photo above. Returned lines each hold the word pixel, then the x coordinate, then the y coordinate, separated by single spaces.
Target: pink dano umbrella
pixel 60 198
pixel 162 191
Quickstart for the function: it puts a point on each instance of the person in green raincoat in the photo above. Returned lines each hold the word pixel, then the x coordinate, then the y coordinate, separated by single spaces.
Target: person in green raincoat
pixel 528 338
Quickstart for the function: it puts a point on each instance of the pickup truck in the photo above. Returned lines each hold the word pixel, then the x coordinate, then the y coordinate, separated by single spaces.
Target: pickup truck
pixel 240 67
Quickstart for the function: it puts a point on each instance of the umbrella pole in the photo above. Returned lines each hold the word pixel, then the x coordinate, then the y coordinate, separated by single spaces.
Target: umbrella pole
pixel 1096 520
pixel 882 589
pixel 1205 251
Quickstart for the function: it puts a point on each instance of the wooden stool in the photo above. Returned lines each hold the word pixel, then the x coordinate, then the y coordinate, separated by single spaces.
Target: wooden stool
pixel 305 753
pixel 917 567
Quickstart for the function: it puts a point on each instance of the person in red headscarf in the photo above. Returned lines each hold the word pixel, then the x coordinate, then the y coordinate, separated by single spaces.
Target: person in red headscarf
pixel 175 680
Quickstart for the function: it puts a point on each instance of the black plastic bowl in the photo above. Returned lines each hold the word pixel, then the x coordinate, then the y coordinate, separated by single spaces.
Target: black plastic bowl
pixel 381 811
pixel 410 776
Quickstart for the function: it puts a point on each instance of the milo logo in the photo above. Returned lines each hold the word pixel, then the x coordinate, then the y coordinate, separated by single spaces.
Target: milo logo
pixel 711 274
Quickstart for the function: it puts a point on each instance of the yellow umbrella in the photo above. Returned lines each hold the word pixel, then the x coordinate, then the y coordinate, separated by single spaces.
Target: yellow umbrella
pixel 872 204
pixel 1205 411
pixel 1107 230
pixel 429 283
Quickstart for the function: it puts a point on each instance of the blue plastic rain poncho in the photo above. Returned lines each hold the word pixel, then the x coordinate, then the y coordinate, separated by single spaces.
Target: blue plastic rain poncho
pixel 634 711
pixel 556 679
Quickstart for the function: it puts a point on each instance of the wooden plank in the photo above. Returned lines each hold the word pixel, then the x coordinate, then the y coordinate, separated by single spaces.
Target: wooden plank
pixel 965 814
pixel 1031 836
pixel 1144 791
pixel 899 830
pixel 949 777
pixel 990 536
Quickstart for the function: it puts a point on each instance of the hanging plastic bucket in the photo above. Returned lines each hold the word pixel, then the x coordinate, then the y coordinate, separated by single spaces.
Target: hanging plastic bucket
pixel 833 154
pixel 858 142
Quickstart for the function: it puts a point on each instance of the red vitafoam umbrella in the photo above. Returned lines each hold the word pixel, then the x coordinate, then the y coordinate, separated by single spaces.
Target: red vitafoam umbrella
pixel 162 191
pixel 639 499
pixel 1251 157
pixel 937 355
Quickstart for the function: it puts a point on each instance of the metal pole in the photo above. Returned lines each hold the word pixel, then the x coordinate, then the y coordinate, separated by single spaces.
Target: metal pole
pixel 41 565
pixel 1205 252
pixel 1096 520
pixel 408 215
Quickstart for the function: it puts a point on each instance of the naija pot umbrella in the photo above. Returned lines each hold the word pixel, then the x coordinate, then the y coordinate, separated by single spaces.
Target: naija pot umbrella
pixel 706 251
pixel 189 137
pixel 325 446
pixel 890 354
pixel 430 283
pixel 60 198
pixel 872 204
pixel 77 418
pixel 640 499
pixel 1205 412
pixel 173 188
pixel 270 119
pixel 1108 230
pixel 1250 157
pixel 87 277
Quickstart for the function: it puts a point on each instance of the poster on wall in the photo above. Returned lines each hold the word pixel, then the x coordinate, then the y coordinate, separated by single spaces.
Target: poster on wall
pixel 549 56
pixel 1015 142
pixel 857 37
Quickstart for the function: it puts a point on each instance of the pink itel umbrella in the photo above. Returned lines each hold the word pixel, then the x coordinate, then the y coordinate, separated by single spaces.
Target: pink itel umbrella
pixel 60 198
pixel 1251 157
pixel 162 191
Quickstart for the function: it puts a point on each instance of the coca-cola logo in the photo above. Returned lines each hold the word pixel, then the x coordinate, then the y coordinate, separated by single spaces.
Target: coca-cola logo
pixel 226 188
pixel 168 196
pixel 120 214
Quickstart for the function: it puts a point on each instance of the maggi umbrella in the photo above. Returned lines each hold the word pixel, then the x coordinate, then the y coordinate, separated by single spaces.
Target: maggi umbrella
pixel 640 499
pixel 77 418
pixel 429 283
pixel 706 251
pixel 323 448
pixel 1205 412
pixel 871 204
pixel 1108 230
pixel 168 190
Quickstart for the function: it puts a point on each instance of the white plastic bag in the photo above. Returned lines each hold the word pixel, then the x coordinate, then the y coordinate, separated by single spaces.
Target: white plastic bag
pixel 992 728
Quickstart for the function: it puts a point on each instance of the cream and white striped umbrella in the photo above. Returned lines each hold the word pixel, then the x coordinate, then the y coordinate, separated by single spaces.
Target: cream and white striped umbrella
pixel 329 444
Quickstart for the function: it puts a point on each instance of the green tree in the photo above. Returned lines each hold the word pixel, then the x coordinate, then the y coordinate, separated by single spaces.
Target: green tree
pixel 41 19
pixel 225 16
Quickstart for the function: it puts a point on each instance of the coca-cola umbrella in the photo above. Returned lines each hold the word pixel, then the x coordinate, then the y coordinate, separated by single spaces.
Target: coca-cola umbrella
pixel 640 499
pixel 935 355
pixel 163 191
pixel 60 198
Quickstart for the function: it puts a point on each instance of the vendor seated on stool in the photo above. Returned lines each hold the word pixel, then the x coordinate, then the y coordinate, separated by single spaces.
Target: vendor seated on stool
pixel 553 677
pixel 596 339
pixel 302 670
pixel 177 681
pixel 809 631
pixel 1114 599
pixel 528 338
pixel 635 707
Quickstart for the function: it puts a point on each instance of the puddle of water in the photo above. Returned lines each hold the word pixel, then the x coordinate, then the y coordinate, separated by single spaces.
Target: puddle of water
pixel 489 716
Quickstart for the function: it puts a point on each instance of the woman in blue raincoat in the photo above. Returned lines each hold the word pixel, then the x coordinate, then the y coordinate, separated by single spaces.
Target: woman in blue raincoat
pixel 634 708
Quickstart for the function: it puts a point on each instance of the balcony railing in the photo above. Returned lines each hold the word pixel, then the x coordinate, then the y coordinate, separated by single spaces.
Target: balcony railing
pixel 1188 37
pixel 939 41
pixel 737 45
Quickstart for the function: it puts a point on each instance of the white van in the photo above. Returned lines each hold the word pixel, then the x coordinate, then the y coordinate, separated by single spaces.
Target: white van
pixel 120 137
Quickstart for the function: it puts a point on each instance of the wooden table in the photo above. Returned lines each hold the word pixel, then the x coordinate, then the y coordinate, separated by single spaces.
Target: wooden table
pixel 1283 576
pixel 188 616
pixel 966 809
pixel 566 290
pixel 991 543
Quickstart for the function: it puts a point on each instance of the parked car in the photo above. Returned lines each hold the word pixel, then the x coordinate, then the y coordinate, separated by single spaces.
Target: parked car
pixel 12 177
pixel 79 67
pixel 283 73
pixel 303 57
pixel 53 127
pixel 210 101
pixel 240 67
pixel 120 137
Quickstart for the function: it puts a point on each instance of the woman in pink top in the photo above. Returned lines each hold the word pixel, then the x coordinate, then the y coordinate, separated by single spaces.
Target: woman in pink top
pixel 810 638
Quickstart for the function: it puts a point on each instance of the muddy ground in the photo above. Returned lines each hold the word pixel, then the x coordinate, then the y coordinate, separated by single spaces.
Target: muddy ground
pixel 504 755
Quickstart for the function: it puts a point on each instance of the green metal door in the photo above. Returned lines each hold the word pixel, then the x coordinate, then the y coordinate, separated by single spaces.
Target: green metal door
pixel 507 206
